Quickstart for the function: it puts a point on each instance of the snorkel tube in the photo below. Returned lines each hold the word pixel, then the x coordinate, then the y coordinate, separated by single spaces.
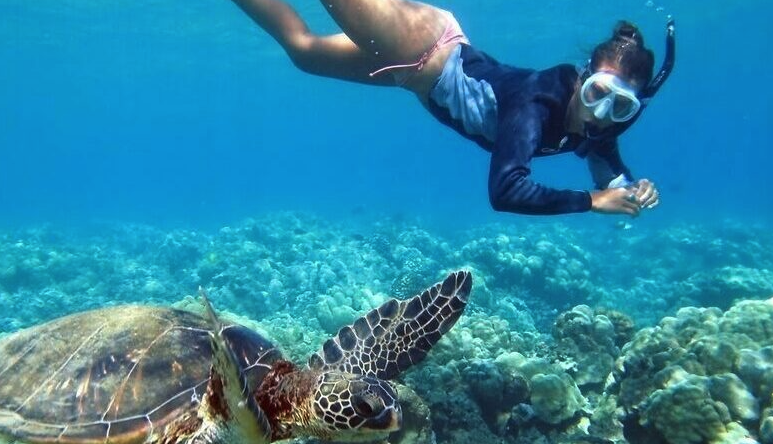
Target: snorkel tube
pixel 668 65
pixel 647 93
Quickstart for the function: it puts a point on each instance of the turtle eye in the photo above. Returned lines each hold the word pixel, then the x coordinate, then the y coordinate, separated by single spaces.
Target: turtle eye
pixel 365 406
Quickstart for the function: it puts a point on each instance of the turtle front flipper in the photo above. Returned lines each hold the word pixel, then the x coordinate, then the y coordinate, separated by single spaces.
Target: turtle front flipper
pixel 227 397
pixel 398 334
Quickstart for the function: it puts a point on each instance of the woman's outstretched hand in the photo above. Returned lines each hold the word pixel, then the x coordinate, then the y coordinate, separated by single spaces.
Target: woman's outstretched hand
pixel 616 201
pixel 628 200
pixel 646 193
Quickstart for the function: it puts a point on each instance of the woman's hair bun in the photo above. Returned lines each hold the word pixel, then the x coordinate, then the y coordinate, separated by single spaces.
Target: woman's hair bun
pixel 627 31
pixel 625 50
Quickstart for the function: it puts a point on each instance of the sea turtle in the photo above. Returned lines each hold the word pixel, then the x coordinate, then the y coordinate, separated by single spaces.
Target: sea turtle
pixel 142 374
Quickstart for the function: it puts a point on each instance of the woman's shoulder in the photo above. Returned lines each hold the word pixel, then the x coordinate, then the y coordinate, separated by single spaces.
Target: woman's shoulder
pixel 562 74
pixel 557 82
pixel 544 96
pixel 471 53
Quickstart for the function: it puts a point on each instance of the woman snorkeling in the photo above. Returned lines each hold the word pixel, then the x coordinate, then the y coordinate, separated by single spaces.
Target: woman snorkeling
pixel 515 114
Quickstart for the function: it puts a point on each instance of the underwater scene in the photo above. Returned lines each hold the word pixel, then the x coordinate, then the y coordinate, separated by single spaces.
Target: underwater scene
pixel 202 242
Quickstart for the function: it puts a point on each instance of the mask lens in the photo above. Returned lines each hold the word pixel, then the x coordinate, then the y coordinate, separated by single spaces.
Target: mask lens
pixel 622 106
pixel 595 92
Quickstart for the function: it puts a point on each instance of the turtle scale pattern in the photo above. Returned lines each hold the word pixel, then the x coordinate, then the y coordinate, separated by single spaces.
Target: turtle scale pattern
pixel 115 375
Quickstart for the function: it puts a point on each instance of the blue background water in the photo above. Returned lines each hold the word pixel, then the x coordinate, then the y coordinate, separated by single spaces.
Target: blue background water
pixel 182 115
pixel 173 112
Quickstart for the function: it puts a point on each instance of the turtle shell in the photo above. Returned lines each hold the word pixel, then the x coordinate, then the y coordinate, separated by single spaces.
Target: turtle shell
pixel 118 375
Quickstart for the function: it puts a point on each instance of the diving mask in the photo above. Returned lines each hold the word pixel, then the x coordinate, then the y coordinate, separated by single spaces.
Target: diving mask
pixel 605 94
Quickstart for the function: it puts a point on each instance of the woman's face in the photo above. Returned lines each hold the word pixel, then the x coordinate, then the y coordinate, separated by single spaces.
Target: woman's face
pixel 585 114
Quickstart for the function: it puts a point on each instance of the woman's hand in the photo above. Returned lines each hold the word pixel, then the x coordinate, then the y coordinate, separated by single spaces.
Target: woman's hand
pixel 646 193
pixel 616 201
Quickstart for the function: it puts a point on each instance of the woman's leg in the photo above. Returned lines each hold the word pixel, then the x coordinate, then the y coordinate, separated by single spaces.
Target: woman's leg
pixel 334 56
pixel 393 31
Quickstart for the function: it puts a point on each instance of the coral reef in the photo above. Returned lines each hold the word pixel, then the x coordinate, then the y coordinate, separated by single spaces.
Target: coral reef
pixel 547 352
pixel 587 343
pixel 702 376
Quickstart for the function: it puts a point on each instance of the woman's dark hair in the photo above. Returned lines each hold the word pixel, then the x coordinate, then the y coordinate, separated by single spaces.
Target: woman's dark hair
pixel 627 53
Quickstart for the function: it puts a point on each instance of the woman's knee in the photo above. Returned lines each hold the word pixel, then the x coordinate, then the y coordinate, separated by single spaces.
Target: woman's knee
pixel 302 53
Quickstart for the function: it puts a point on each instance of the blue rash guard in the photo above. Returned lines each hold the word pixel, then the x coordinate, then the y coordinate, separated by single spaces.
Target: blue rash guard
pixel 517 114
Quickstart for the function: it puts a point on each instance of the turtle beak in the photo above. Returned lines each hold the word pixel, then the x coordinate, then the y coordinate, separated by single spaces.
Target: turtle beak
pixel 390 420
pixel 397 419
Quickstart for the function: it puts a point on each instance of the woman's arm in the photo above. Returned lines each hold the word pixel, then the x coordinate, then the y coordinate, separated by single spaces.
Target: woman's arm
pixel 510 188
pixel 609 171
pixel 606 165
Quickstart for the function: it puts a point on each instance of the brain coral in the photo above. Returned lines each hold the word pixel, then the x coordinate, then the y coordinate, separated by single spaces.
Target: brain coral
pixel 703 376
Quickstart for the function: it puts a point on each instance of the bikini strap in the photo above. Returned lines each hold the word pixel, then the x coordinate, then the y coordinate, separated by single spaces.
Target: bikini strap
pixel 450 35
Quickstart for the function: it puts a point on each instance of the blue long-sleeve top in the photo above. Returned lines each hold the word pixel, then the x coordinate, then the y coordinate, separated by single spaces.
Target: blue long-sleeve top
pixel 517 114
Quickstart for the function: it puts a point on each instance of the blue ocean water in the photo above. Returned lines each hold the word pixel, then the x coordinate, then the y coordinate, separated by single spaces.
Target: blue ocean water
pixel 185 112
pixel 151 147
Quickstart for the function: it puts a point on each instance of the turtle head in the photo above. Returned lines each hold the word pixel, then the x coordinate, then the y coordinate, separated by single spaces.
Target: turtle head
pixel 349 407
